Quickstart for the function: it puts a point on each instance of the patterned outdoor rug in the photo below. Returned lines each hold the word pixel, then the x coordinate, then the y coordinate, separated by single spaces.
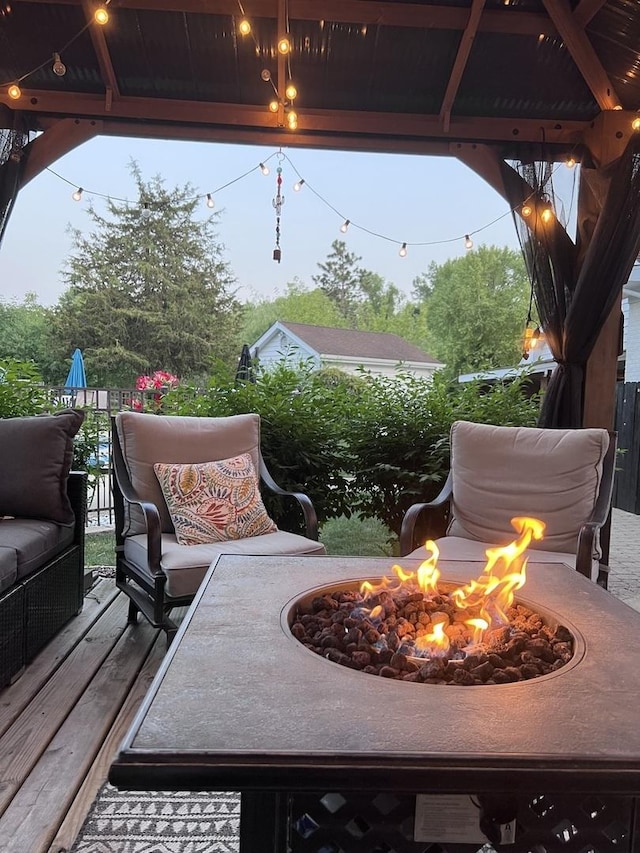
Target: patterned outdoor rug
pixel 161 822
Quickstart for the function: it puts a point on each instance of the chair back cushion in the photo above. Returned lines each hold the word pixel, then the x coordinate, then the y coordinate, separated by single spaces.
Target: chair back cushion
pixel 502 472
pixel 146 439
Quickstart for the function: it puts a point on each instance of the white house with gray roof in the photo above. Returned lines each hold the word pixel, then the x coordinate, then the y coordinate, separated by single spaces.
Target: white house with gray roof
pixel 324 346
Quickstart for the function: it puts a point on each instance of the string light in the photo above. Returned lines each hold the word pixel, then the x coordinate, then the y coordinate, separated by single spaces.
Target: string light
pixel 298 185
pixel 284 45
pixel 58 67
pixel 546 214
pixel 570 162
pixel 273 106
pixel 145 212
pixel 266 75
pixel 244 27
pixel 101 16
pixel 468 242
pixel 14 92
pixel 291 92
pixel 635 124
pixel 525 209
pixel 292 120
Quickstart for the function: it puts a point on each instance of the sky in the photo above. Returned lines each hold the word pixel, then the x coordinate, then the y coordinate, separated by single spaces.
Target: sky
pixel 400 198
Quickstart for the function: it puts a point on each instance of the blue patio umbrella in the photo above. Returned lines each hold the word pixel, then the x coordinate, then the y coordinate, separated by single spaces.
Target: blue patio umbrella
pixel 77 378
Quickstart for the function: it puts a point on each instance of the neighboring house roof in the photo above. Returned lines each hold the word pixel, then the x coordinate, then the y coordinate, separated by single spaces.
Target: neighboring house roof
pixel 329 341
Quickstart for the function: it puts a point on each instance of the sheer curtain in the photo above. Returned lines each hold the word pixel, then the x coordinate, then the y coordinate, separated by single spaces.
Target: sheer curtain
pixel 575 285
pixel 13 141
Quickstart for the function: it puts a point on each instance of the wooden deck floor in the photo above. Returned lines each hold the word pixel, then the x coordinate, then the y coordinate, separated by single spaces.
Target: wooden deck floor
pixel 61 722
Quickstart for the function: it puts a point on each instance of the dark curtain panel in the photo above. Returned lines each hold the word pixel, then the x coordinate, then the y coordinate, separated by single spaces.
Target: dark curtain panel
pixel 576 285
pixel 13 141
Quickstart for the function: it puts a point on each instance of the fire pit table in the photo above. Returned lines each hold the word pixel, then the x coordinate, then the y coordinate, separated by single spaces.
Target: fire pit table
pixel 332 760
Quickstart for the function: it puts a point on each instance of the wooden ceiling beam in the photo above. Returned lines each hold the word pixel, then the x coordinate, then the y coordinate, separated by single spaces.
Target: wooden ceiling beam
pixel 586 10
pixel 58 139
pixel 460 63
pixel 169 113
pixel 582 54
pixel 438 17
pixel 102 54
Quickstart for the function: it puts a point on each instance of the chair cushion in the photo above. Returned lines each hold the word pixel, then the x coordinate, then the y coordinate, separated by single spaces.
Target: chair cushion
pixel 503 472
pixel 146 439
pixel 186 566
pixel 36 453
pixel 214 501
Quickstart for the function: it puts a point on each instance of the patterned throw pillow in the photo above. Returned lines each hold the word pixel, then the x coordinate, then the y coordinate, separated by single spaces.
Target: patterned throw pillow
pixel 214 501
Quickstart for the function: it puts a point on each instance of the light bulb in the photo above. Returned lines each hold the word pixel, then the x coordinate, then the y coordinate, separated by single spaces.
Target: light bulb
pixel 245 27
pixel 264 169
pixel 468 242
pixel 618 107
pixel 210 201
pixel 77 195
pixel 570 162
pixel 635 124
pixel 265 74
pixel 273 106
pixel 284 46
pixel 145 213
pixel 101 16
pixel 14 92
pixel 526 210
pixel 291 92
pixel 293 124
pixel 58 66
pixel 546 214
pixel 298 185
pixel 345 226
pixel 403 251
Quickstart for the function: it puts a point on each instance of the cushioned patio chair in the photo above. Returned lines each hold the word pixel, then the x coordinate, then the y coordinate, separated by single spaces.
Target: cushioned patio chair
pixel 563 477
pixel 187 489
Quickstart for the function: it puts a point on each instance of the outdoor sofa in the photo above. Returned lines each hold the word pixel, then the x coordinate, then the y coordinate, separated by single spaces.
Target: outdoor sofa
pixel 42 528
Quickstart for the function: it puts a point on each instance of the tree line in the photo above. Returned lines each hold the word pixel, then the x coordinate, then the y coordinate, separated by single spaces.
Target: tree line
pixel 147 287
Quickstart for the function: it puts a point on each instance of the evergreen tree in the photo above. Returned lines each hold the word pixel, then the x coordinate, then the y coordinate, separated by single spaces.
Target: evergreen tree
pixel 148 290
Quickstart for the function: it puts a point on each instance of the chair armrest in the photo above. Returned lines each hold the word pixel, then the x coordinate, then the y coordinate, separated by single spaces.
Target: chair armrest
pixel 599 516
pixel 310 517
pixel 123 492
pixel 77 492
pixel 437 506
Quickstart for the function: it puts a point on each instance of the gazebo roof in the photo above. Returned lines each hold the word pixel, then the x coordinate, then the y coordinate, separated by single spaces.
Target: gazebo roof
pixel 397 76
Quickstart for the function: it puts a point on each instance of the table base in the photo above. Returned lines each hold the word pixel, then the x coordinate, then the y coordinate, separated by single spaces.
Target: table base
pixel 347 822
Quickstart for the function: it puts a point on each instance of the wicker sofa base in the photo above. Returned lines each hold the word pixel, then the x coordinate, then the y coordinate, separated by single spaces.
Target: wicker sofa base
pixel 35 608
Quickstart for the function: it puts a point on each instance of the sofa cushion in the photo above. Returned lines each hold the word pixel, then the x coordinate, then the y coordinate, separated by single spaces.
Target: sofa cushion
pixel 503 472
pixel 214 501
pixel 33 542
pixel 146 439
pixel 8 565
pixel 186 566
pixel 35 459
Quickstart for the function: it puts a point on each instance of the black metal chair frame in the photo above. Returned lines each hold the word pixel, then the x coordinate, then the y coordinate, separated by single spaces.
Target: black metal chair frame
pixel 437 515
pixel 147 597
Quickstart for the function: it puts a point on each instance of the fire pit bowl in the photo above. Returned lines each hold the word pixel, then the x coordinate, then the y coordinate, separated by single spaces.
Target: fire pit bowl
pixel 333 623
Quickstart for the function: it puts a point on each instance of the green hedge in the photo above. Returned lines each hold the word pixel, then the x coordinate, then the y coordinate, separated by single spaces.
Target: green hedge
pixel 367 444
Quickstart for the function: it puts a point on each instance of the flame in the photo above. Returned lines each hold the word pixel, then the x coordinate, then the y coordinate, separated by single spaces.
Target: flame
pixel 481 604
pixel 492 593
pixel 436 641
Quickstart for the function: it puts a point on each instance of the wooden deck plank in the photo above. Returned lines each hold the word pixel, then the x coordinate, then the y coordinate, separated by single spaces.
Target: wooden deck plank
pixel 32 819
pixel 25 740
pixel 97 776
pixel 15 698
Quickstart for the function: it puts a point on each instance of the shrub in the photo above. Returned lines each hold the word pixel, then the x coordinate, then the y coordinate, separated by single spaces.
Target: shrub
pixel 21 389
pixel 367 444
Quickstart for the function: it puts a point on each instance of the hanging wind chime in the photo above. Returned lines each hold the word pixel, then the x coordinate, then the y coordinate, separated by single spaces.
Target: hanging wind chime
pixel 278 201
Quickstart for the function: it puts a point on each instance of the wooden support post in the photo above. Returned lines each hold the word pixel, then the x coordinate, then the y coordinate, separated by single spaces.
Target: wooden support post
pixel 601 374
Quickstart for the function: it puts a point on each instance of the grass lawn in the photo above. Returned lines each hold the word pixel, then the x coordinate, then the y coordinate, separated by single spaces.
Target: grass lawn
pixel 348 536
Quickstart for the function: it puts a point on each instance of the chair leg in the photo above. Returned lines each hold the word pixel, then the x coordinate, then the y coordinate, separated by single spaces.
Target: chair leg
pixel 132 615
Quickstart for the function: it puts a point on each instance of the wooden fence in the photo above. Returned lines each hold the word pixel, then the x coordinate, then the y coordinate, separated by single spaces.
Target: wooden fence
pixel 626 492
